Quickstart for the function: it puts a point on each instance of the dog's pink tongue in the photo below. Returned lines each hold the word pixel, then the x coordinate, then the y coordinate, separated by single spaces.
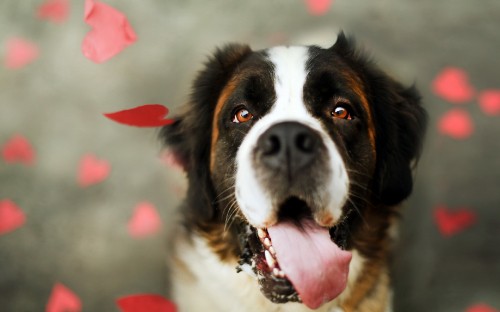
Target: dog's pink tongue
pixel 315 266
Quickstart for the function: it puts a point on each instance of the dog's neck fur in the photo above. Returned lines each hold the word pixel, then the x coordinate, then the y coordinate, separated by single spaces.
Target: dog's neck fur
pixel 205 283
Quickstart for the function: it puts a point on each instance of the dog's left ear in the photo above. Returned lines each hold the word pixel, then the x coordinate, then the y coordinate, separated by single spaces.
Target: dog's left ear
pixel 400 127
pixel 400 123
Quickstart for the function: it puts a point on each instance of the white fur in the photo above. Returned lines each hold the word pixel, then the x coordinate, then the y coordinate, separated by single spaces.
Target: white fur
pixel 290 76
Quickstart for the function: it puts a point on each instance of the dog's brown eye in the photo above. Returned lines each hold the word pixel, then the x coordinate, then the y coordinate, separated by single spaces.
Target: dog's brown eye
pixel 341 112
pixel 242 115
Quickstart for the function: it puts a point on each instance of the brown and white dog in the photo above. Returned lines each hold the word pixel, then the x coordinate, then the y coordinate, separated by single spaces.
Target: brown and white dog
pixel 297 160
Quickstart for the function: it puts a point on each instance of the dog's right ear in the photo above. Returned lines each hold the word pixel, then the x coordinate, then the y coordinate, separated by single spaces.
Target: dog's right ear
pixel 188 139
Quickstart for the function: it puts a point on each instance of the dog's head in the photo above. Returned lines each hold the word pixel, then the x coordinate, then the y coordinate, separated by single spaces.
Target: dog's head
pixel 286 150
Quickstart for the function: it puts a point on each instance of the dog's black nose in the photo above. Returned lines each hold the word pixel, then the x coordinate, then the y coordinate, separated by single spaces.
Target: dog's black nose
pixel 289 146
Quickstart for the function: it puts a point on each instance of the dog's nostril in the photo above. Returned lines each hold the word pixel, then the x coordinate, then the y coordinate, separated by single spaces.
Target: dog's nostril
pixel 288 147
pixel 271 145
pixel 305 142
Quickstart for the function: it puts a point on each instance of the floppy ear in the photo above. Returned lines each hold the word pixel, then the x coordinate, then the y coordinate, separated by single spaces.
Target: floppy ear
pixel 400 123
pixel 189 137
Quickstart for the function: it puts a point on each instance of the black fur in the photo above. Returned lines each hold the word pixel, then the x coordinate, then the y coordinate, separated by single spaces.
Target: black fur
pixel 400 123
pixel 189 137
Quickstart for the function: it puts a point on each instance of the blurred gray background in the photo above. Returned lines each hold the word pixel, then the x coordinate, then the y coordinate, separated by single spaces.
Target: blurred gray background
pixel 78 236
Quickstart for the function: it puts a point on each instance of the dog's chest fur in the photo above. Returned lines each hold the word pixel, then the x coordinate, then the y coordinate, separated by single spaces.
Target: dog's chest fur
pixel 204 283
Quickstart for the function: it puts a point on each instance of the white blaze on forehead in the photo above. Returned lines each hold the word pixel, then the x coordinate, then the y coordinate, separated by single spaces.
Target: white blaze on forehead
pixel 290 75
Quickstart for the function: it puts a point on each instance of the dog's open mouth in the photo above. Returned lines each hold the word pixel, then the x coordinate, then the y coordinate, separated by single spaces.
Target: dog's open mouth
pixel 297 260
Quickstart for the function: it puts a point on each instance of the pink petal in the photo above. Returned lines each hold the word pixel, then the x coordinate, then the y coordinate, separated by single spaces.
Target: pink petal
pixel 489 101
pixel 110 34
pixel 145 221
pixel 54 10
pixel 145 302
pixel 172 160
pixel 63 299
pixel 20 52
pixel 92 170
pixel 18 150
pixel 481 307
pixel 452 84
pixel 456 123
pixel 11 216
pixel 318 7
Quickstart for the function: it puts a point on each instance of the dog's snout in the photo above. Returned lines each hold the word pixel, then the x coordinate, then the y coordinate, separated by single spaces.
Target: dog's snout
pixel 288 146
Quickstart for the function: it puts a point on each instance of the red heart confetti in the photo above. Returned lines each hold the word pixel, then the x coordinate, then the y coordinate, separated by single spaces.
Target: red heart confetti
pixel 452 84
pixel 456 123
pixel 18 150
pixel 92 170
pixel 489 101
pixel 54 10
pixel 110 34
pixel 451 222
pixel 20 52
pixel 145 302
pixel 11 216
pixel 481 307
pixel 149 115
pixel 63 299
pixel 318 7
pixel 145 221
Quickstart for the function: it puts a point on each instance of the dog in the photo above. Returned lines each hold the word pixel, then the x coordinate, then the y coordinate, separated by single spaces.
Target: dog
pixel 297 159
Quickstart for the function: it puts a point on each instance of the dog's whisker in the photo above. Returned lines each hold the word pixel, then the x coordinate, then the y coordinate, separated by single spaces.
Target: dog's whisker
pixel 232 210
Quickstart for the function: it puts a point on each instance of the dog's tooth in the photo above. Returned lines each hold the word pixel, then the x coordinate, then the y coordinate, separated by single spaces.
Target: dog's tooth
pixel 269 259
pixel 276 272
pixel 272 251
pixel 281 274
pixel 267 242
pixel 261 233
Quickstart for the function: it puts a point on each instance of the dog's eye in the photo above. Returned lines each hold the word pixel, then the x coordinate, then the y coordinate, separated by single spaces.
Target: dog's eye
pixel 242 115
pixel 341 112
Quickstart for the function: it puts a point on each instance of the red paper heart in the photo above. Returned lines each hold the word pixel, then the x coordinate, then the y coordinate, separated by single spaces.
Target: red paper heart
pixel 54 10
pixel 11 216
pixel 456 123
pixel 145 303
pixel 110 34
pixel 318 7
pixel 92 170
pixel 63 300
pixel 489 101
pixel 145 221
pixel 20 52
pixel 149 115
pixel 18 150
pixel 451 222
pixel 452 84
pixel 481 307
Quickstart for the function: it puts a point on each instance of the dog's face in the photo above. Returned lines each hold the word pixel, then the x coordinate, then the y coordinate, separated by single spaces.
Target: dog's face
pixel 286 149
